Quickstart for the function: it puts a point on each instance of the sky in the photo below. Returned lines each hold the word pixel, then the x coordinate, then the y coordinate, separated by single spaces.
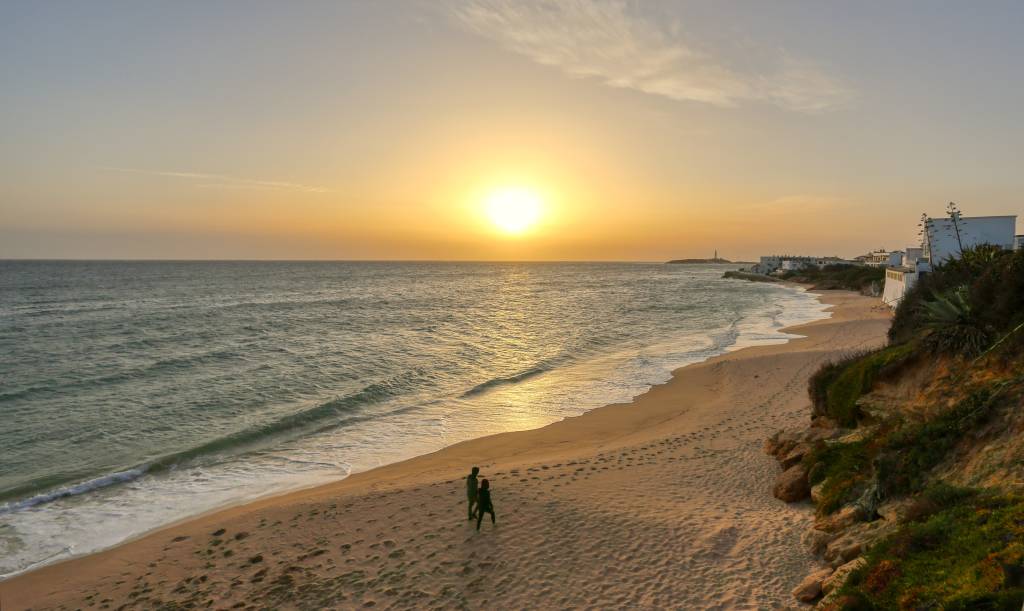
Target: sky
pixel 381 130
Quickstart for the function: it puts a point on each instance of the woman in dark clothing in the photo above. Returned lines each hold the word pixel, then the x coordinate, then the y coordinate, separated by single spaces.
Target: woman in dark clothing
pixel 483 503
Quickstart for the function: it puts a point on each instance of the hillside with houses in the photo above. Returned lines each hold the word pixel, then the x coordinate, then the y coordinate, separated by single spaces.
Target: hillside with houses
pixel 913 456
pixel 942 240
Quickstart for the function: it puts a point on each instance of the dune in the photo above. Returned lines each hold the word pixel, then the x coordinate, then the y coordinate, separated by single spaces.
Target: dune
pixel 664 501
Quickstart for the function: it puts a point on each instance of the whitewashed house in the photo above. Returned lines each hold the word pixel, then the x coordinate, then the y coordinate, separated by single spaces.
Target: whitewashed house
pixel 898 280
pixel 1018 242
pixel 942 239
pixel 823 261
pixel 911 257
pixel 793 265
pixel 768 264
pixel 773 264
pixel 882 258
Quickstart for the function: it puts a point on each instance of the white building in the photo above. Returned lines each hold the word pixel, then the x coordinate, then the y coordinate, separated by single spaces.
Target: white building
pixel 1018 242
pixel 823 261
pixel 942 239
pixel 941 243
pixel 911 257
pixel 882 258
pixel 767 264
pixel 785 263
pixel 772 263
pixel 898 280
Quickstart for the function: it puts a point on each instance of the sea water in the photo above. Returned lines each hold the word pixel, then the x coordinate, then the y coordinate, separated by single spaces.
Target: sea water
pixel 134 394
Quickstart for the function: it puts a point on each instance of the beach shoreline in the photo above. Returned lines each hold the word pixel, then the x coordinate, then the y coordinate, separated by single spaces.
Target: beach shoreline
pixel 329 542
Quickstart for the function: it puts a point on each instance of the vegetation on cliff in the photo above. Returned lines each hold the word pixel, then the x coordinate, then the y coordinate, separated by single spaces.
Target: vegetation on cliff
pixel 917 481
pixel 836 387
pixel 959 549
pixel 840 276
pixel 897 457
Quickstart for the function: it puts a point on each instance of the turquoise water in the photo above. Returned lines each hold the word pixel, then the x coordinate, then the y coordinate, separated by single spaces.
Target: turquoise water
pixel 138 393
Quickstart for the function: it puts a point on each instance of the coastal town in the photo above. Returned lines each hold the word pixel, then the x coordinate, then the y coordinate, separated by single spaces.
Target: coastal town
pixel 942 239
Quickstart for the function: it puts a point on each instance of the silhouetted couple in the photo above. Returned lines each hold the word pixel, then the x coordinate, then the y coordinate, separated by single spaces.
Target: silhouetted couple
pixel 479 498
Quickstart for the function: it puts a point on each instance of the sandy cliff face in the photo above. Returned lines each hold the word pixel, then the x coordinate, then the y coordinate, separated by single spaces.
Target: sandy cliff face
pixel 993 455
pixel 928 446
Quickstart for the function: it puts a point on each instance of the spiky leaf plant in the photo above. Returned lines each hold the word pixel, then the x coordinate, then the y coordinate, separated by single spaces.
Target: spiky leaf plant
pixel 952 324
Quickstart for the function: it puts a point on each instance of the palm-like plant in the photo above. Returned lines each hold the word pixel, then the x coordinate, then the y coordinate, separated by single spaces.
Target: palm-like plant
pixel 952 323
pixel 947 308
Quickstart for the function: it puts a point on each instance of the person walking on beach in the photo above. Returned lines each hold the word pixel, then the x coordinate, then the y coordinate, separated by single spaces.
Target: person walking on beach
pixel 483 503
pixel 471 491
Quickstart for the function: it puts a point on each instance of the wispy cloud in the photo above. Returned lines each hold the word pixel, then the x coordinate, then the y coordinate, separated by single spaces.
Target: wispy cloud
pixel 221 181
pixel 612 42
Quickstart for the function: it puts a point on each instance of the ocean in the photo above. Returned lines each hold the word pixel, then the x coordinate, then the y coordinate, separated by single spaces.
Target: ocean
pixel 134 394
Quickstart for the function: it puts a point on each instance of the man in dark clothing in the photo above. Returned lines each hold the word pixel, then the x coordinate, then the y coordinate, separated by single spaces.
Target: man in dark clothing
pixel 483 504
pixel 471 491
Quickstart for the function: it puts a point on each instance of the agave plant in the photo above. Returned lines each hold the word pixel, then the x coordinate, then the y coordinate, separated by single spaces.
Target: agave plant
pixel 952 324
pixel 948 308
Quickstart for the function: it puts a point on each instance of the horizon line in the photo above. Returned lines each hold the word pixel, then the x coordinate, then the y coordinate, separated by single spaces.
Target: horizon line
pixel 299 260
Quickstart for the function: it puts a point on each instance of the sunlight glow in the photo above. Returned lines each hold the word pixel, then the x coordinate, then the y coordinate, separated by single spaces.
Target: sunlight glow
pixel 513 210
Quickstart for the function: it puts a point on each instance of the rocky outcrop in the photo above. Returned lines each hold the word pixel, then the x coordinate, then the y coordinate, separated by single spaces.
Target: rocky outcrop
pixel 795 455
pixel 830 585
pixel 792 485
pixel 816 490
pixel 790 447
pixel 816 540
pixel 845 517
pixel 794 444
pixel 809 589
pixel 841 574
pixel 895 510
pixel 856 539
pixel 839 538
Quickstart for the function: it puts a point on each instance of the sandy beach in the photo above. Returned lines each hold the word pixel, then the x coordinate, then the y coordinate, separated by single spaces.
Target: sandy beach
pixel 661 502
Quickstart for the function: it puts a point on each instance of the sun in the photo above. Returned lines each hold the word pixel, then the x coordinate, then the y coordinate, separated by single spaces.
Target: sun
pixel 513 210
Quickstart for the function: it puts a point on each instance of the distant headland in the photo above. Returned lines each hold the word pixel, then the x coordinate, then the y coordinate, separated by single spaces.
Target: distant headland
pixel 702 261
pixel 714 259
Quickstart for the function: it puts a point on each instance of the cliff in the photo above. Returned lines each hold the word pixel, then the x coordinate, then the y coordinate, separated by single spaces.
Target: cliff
pixel 914 457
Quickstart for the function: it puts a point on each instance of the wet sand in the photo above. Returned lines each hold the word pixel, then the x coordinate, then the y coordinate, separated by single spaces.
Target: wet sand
pixel 661 502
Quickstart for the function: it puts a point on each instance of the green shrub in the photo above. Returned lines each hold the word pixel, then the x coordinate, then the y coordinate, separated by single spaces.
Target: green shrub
pixel 953 324
pixel 968 555
pixel 817 387
pixel 847 467
pixel 839 276
pixel 856 378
